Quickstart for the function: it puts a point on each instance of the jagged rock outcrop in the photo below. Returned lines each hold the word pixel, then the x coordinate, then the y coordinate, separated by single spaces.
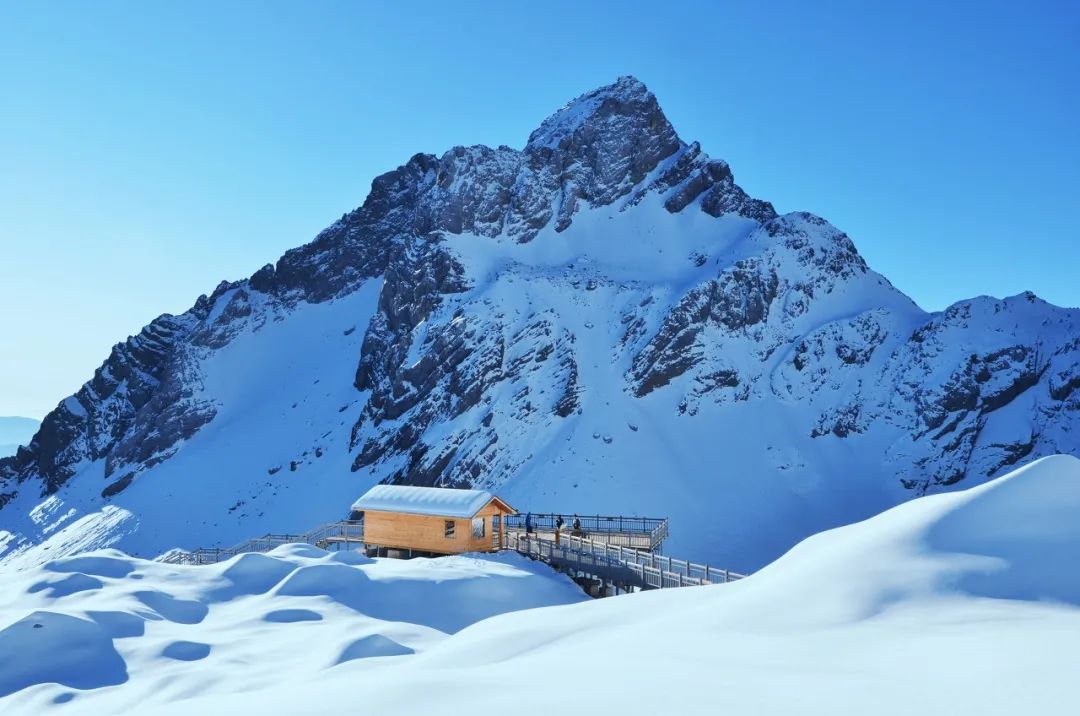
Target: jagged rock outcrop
pixel 121 399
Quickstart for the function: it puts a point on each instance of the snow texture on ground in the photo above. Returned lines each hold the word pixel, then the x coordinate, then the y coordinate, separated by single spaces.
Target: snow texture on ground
pixel 967 602
pixel 107 633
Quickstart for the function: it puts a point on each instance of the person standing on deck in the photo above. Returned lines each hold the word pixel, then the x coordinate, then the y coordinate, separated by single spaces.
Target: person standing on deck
pixel 558 528
pixel 528 523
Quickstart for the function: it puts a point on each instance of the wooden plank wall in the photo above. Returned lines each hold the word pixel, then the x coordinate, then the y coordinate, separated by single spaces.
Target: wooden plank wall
pixel 426 533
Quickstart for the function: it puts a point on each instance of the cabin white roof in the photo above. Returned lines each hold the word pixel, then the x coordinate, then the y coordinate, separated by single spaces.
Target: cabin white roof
pixel 424 500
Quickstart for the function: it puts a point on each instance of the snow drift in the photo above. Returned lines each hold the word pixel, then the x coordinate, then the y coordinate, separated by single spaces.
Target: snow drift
pixel 107 633
pixel 957 603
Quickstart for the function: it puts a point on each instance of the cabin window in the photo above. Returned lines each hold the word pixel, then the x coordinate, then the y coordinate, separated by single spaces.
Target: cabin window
pixel 478 527
pixel 448 529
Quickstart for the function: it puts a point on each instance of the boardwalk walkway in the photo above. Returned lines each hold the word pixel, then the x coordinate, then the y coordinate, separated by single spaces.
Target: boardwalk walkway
pixel 622 567
pixel 332 534
pixel 619 552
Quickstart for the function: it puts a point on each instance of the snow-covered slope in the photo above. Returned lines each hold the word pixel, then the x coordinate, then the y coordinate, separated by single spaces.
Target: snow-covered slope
pixel 954 603
pixel 600 322
pixel 106 633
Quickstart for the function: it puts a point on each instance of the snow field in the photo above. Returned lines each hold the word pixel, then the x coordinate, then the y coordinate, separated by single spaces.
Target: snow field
pixel 105 632
pixel 956 603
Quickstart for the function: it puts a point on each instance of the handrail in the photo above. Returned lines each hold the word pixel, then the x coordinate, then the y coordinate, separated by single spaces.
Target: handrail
pixel 350 530
pixel 655 527
pixel 593 523
pixel 652 569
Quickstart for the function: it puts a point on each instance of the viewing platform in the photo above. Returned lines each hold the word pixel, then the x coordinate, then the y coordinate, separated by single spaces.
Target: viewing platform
pixel 605 554
pixel 609 555
pixel 639 533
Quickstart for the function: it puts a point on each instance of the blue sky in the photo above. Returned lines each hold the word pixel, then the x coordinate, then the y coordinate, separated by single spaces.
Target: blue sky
pixel 150 150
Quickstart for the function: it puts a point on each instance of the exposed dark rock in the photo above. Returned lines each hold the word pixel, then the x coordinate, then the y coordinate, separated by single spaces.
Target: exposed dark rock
pixel 568 401
pixel 116 403
pixel 840 423
pixel 117 486
pixel 739 297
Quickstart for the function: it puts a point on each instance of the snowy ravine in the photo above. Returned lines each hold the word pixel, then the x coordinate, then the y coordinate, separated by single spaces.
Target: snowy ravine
pixel 959 603
pixel 601 322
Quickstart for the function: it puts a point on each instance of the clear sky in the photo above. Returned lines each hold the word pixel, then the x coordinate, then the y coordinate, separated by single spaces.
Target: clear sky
pixel 149 150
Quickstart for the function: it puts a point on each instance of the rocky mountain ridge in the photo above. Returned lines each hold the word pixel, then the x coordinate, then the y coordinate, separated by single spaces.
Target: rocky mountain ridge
pixel 508 309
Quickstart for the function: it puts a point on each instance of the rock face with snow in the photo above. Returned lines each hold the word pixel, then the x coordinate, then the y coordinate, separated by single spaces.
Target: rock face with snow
pixel 602 321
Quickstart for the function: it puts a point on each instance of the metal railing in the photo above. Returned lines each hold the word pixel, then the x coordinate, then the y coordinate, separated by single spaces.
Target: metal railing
pixel 639 532
pixel 322 536
pixel 652 570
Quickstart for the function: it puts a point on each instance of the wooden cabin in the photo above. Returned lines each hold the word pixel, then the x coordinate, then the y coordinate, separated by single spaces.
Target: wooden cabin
pixel 434 520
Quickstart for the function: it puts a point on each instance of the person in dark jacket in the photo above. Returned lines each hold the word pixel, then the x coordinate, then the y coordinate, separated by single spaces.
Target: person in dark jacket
pixel 528 523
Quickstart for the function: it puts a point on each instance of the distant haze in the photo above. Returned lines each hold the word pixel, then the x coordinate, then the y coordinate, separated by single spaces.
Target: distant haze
pixel 15 431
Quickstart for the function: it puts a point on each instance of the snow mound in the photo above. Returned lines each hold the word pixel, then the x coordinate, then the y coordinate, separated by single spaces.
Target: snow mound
pixel 1026 527
pixel 374 645
pixel 48 647
pixel 957 603
pixel 75 629
pixel 1008 539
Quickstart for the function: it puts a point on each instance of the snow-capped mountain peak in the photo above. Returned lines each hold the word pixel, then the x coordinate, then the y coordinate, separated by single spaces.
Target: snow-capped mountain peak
pixel 617 133
pixel 602 322
pixel 611 107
